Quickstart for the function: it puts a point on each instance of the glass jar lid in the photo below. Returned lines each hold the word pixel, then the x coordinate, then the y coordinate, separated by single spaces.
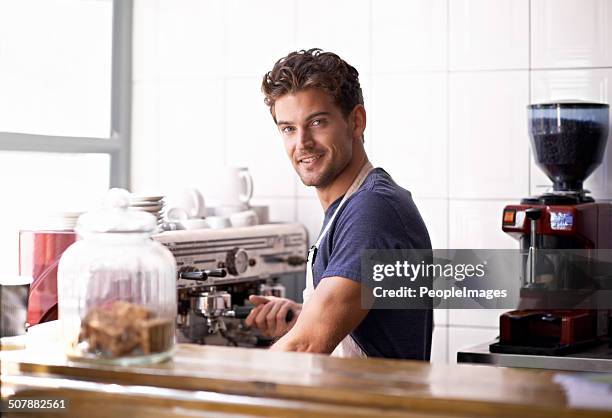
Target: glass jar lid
pixel 115 216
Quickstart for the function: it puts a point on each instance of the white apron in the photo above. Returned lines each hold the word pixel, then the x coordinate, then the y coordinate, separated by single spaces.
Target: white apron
pixel 347 347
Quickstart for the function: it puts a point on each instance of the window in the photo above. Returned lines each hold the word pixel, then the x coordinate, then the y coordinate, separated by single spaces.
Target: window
pixel 65 98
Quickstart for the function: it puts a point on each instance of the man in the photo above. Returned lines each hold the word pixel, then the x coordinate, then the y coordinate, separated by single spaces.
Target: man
pixel 316 102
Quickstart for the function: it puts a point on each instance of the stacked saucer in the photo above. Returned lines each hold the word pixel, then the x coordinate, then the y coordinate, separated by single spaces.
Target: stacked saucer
pixel 61 221
pixel 155 205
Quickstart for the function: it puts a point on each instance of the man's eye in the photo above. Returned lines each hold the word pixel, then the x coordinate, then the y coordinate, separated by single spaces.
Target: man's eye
pixel 317 122
pixel 287 129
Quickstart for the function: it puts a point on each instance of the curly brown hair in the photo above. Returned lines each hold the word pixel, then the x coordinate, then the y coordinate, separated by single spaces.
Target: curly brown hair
pixel 313 68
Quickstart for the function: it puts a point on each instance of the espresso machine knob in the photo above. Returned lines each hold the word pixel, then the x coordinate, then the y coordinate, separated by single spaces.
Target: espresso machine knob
pixel 202 275
pixel 236 261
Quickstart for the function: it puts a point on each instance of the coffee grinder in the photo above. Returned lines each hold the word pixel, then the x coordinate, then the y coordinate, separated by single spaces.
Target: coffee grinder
pixel 568 140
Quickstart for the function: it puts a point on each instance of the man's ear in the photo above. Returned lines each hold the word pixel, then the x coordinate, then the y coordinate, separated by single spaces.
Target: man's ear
pixel 358 117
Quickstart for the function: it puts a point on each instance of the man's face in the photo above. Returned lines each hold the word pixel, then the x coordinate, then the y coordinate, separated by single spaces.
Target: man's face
pixel 318 139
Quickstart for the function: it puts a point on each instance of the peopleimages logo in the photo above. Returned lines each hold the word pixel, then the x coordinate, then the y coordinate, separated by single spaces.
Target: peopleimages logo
pixel 453 293
pixel 411 271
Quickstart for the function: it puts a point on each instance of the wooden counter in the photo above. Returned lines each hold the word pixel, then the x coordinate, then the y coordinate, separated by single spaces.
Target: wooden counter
pixel 201 380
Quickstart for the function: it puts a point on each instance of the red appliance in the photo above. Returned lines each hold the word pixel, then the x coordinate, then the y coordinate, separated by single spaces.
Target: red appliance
pixel 39 255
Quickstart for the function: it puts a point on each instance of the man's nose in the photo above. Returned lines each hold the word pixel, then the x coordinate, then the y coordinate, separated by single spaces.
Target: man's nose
pixel 304 139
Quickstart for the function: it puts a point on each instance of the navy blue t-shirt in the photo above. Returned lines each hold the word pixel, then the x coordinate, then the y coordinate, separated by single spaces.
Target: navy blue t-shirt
pixel 380 215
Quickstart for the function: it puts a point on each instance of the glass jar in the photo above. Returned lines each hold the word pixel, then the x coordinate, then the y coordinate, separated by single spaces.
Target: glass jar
pixel 117 288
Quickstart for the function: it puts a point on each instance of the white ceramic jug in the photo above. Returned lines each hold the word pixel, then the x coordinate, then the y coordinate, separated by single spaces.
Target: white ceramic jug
pixel 238 187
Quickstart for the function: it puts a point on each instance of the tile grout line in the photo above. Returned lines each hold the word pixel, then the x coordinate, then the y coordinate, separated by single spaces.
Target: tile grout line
pixel 448 174
pixel 224 85
pixel 529 92
pixel 448 216
pixel 295 184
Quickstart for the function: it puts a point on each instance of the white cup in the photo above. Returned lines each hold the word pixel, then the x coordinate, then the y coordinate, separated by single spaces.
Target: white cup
pixel 245 218
pixel 218 222
pixel 189 199
pixel 237 187
pixel 228 210
pixel 193 224
pixel 176 214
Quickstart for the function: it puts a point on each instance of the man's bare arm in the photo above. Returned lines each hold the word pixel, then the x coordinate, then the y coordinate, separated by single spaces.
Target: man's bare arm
pixel 333 311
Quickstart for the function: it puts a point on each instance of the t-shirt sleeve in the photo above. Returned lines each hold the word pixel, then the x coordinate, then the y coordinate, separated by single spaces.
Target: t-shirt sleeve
pixel 368 222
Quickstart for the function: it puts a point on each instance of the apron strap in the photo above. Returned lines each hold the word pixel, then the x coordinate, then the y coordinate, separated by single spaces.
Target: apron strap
pixel 363 174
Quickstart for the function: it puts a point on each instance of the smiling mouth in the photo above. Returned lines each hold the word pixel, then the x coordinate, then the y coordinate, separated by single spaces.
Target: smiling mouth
pixel 309 159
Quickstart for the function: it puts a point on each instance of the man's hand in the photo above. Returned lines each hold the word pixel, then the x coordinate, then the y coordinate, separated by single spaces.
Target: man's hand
pixel 334 310
pixel 270 313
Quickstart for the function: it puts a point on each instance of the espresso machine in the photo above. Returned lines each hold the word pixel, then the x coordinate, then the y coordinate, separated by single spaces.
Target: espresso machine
pixel 561 234
pixel 218 269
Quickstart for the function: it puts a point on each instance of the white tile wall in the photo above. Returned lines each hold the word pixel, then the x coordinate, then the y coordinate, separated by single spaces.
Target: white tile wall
pixel 445 83
pixel 258 33
pixel 593 85
pixel 409 120
pixel 191 133
pixel 435 215
pixel 409 35
pixel 179 23
pixel 571 33
pixel 477 224
pixel 489 34
pixel 489 144
pixel 323 24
